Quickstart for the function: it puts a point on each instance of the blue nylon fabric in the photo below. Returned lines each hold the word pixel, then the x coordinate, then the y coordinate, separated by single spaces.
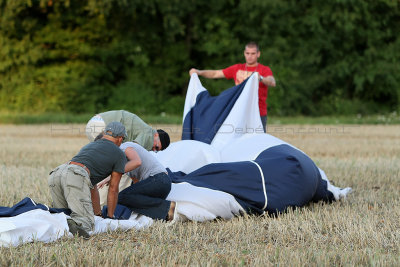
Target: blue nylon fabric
pixel 121 212
pixel 204 119
pixel 291 180
pixel 240 179
pixel 25 205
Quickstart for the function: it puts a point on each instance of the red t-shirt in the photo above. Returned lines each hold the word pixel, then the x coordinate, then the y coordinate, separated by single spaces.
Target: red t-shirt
pixel 240 72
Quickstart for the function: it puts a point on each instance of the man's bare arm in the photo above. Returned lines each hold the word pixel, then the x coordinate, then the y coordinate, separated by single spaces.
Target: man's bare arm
pixel 112 197
pixel 210 74
pixel 134 160
pixel 94 194
pixel 269 81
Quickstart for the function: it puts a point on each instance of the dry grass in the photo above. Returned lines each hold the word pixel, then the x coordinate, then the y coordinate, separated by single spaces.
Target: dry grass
pixel 363 230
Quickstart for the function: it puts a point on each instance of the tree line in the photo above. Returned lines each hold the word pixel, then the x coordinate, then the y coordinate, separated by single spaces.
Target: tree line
pixel 328 57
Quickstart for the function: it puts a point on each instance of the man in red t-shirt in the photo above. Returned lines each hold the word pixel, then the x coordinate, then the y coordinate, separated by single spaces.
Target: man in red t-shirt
pixel 240 72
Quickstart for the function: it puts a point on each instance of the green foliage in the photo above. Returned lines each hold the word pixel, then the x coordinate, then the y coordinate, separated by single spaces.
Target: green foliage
pixel 44 118
pixel 134 95
pixel 328 57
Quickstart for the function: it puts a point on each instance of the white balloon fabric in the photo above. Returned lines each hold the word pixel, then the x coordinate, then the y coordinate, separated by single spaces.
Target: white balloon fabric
pixel 202 204
pixel 34 225
pixel 243 119
pixel 218 120
pixel 229 126
pixel 191 95
pixel 43 226
pixel 248 147
pixel 188 155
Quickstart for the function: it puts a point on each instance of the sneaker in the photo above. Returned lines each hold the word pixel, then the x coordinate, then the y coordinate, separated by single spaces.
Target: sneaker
pixel 75 229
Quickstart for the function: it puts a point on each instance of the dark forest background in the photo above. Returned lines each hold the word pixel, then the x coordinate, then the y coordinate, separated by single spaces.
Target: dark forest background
pixel 329 57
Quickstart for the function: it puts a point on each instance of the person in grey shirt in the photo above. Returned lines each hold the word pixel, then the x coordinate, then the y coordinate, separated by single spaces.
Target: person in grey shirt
pixel 151 184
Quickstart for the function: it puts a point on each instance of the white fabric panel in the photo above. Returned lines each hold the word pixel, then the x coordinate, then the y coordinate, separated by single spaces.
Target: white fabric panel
pixel 135 221
pixel 338 193
pixel 195 87
pixel 123 183
pixel 244 117
pixel 187 155
pixel 202 204
pixel 41 225
pixel 38 225
pixel 248 147
pixel 94 127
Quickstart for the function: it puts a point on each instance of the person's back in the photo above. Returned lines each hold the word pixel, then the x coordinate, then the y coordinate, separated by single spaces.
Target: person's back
pixel 100 158
pixel 137 130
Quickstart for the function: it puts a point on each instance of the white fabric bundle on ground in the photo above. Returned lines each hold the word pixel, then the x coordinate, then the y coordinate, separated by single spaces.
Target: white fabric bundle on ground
pixel 40 225
pixel 34 225
pixel 202 204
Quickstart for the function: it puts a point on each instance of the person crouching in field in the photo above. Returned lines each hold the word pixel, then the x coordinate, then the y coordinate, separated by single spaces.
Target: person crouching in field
pixel 73 184
pixel 138 131
pixel 151 184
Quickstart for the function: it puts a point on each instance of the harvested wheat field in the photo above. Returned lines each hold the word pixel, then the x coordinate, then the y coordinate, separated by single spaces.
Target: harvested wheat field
pixel 364 229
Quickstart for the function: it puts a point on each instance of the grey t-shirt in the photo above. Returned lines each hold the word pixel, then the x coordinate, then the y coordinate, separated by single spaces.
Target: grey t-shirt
pixel 101 158
pixel 150 165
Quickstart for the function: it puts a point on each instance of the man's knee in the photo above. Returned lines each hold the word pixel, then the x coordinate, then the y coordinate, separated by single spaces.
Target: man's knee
pixel 164 185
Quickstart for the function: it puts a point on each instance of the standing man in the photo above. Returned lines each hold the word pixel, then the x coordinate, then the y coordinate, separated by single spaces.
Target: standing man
pixel 73 184
pixel 240 72
pixel 136 128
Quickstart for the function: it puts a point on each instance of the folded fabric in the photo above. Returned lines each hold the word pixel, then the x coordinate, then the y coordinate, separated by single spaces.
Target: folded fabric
pixel 121 212
pixel 26 205
pixel 33 225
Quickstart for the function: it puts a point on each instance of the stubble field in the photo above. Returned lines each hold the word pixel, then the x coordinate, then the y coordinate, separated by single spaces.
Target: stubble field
pixel 362 230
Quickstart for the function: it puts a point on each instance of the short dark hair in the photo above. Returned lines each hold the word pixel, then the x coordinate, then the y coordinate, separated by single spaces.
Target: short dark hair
pixel 253 44
pixel 164 138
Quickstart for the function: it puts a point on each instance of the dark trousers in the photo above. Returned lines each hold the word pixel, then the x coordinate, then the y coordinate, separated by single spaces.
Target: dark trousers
pixel 147 197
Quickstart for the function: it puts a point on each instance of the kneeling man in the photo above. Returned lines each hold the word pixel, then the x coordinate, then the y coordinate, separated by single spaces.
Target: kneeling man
pixel 73 184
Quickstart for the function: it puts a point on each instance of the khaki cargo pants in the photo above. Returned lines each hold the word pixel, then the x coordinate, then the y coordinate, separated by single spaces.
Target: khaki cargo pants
pixel 70 188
